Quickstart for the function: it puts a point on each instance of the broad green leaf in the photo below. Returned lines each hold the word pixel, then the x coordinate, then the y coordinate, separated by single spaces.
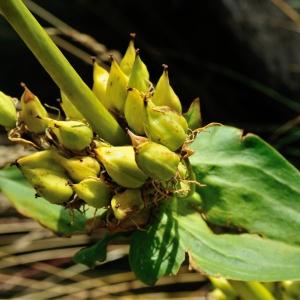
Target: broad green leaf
pixel 22 196
pixel 179 228
pixel 249 185
pixel 97 252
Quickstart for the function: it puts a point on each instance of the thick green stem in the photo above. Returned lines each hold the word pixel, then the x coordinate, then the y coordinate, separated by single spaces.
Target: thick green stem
pixel 61 71
pixel 251 290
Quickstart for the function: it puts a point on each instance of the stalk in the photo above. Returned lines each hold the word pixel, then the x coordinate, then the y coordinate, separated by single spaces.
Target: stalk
pixel 60 70
pixel 251 290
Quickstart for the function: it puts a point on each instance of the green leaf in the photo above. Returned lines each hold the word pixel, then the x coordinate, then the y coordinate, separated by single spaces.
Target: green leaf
pixel 22 196
pixel 179 228
pixel 249 185
pixel 90 255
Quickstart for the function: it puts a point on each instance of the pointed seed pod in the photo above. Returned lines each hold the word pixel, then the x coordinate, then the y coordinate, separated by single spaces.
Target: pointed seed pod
pixel 32 112
pixel 127 203
pixel 165 126
pixel 100 78
pixel 134 111
pixel 47 177
pixel 116 90
pixel 120 165
pixel 155 160
pixel 8 112
pixel 164 95
pixel 71 112
pixel 139 77
pixel 193 115
pixel 72 135
pixel 129 57
pixel 93 191
pixel 78 168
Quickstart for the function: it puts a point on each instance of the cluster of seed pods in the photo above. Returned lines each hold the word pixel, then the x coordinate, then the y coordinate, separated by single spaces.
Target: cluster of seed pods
pixel 73 167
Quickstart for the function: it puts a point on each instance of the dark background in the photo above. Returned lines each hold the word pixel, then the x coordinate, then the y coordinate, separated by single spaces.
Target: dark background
pixel 241 57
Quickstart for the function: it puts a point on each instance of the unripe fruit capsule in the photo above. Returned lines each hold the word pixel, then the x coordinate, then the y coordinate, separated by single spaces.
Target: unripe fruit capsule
pixel 154 159
pixel 127 203
pixel 121 166
pixel 165 126
pixel 72 135
pixel 8 112
pixel 32 112
pixel 93 191
pixel 78 168
pixel 47 177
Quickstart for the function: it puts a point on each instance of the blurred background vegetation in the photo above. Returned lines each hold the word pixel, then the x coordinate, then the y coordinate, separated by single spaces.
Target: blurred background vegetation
pixel 240 57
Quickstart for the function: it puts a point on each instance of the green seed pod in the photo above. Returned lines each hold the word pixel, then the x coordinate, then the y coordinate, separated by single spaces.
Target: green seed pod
pixel 193 115
pixel 155 160
pixel 116 91
pixel 139 77
pixel 32 112
pixel 47 177
pixel 93 191
pixel 165 126
pixel 8 112
pixel 164 95
pixel 135 112
pixel 78 168
pixel 127 203
pixel 69 109
pixel 72 135
pixel 100 78
pixel 120 164
pixel 129 57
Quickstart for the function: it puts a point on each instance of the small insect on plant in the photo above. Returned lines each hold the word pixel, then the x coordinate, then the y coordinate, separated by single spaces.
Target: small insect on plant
pixel 123 157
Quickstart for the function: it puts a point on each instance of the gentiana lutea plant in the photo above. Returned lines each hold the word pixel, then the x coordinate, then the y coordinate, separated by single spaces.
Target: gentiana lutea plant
pixel 123 157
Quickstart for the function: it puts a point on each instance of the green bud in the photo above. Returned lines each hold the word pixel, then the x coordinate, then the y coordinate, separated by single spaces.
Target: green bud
pixel 93 191
pixel 193 115
pixel 69 109
pixel 116 91
pixel 8 112
pixel 100 78
pixel 139 77
pixel 47 177
pixel 32 112
pixel 72 135
pixel 165 126
pixel 164 95
pixel 155 160
pixel 129 57
pixel 120 165
pixel 135 112
pixel 78 168
pixel 127 203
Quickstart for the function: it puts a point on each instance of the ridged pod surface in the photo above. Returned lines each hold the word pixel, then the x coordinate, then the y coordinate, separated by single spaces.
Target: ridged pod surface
pixel 32 112
pixel 127 203
pixel 165 126
pixel 100 79
pixel 72 135
pixel 94 192
pixel 164 94
pixel 47 177
pixel 120 164
pixel 116 90
pixel 129 57
pixel 78 168
pixel 139 77
pixel 8 112
pixel 155 160
pixel 135 113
